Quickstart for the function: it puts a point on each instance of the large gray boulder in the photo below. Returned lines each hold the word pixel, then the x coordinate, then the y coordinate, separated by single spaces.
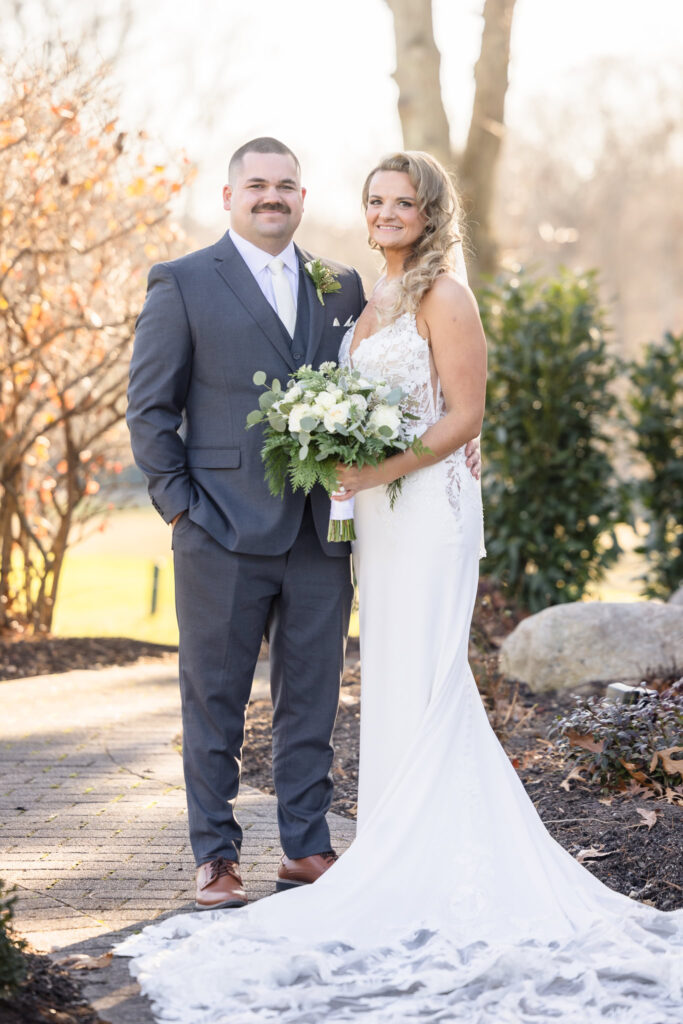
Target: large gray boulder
pixel 677 597
pixel 569 645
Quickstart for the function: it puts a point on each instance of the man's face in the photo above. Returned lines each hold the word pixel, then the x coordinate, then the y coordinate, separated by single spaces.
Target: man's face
pixel 265 200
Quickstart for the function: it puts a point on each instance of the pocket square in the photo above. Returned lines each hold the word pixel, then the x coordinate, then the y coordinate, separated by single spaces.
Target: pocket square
pixel 335 322
pixel 349 322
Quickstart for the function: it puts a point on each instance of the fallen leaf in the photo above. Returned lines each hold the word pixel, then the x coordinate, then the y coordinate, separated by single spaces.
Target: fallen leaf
pixel 634 772
pixel 82 962
pixel 578 739
pixel 606 800
pixel 649 817
pixel 592 854
pixel 575 773
pixel 670 766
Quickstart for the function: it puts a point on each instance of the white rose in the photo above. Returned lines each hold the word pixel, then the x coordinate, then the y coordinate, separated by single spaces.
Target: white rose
pixel 338 414
pixel 298 413
pixel 324 401
pixel 293 394
pixel 336 392
pixel 359 403
pixel 385 416
pixel 309 396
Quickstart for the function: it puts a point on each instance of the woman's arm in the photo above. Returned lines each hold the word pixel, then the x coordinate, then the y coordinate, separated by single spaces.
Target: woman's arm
pixel 450 316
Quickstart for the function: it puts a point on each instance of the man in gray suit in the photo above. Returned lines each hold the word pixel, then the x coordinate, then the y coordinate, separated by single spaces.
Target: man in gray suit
pixel 246 564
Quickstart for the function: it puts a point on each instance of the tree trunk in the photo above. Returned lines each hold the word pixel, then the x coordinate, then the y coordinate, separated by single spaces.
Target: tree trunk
pixel 418 63
pixel 480 158
pixel 424 121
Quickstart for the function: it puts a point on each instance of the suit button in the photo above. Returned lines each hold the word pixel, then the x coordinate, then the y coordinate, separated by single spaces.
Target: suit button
pixel 298 355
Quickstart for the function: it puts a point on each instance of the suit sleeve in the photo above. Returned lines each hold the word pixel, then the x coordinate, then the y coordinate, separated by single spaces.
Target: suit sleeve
pixel 160 373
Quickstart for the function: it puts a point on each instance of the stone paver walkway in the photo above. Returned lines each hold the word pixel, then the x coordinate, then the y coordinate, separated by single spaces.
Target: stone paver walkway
pixel 93 828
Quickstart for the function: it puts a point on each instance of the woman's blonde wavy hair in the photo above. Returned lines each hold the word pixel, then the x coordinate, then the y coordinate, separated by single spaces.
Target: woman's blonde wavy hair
pixel 432 253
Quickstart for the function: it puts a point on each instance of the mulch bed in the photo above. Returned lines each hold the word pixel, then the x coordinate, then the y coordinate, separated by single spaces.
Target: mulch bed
pixel 45 655
pixel 47 994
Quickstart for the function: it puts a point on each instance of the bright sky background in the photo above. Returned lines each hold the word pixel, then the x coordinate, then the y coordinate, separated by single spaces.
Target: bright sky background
pixel 207 75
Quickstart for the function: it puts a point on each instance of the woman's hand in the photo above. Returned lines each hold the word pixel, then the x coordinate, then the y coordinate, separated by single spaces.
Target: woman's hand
pixel 352 479
pixel 473 457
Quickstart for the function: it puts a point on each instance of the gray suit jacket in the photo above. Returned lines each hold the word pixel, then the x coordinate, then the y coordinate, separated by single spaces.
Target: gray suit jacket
pixel 204 330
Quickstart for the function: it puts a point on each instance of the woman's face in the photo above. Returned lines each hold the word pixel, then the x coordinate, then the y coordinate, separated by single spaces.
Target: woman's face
pixel 394 220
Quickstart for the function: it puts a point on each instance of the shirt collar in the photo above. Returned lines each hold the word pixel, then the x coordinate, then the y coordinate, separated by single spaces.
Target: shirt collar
pixel 257 260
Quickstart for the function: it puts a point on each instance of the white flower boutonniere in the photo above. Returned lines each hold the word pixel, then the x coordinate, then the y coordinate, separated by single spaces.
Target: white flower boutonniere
pixel 323 279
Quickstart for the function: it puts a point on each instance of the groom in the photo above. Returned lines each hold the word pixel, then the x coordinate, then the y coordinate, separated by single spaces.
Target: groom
pixel 246 564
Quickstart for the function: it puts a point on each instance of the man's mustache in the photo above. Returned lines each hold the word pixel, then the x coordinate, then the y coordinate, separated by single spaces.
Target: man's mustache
pixel 277 207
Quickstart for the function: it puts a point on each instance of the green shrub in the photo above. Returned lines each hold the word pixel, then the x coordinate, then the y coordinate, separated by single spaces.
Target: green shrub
pixel 657 403
pixel 12 968
pixel 615 743
pixel 552 500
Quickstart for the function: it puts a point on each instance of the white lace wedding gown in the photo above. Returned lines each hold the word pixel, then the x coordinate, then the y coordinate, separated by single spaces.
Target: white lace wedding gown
pixel 453 903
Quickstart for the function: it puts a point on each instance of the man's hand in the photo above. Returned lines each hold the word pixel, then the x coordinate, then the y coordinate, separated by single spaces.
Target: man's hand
pixel 473 456
pixel 177 517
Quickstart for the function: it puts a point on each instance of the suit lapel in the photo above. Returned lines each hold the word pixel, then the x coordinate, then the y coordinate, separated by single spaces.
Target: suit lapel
pixel 316 311
pixel 241 281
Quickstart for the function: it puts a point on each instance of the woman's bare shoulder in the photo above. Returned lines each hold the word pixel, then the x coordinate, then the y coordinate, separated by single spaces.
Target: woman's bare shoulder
pixel 449 298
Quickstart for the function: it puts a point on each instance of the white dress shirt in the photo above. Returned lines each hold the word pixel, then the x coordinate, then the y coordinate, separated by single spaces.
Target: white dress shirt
pixel 257 260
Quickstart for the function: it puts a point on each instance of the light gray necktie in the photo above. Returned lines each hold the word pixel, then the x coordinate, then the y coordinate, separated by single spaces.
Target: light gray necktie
pixel 284 300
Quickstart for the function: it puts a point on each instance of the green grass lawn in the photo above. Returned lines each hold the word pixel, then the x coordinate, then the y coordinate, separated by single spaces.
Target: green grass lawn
pixel 110 595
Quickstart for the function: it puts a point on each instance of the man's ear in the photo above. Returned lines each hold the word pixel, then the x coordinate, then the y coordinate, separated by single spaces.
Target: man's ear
pixel 303 194
pixel 227 196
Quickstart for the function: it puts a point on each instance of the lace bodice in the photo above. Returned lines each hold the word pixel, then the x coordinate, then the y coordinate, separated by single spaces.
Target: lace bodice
pixel 400 355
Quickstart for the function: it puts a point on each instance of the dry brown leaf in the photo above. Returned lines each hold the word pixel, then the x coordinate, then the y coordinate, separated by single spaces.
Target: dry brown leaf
pixel 606 800
pixel 649 817
pixel 578 739
pixel 634 789
pixel 590 853
pixel 82 962
pixel 575 773
pixel 674 796
pixel 634 772
pixel 670 766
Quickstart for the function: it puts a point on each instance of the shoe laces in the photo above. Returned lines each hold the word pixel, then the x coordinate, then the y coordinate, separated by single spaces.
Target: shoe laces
pixel 223 866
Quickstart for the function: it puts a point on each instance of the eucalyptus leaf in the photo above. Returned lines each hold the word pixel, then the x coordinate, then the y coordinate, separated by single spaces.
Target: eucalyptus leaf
pixel 266 399
pixel 303 453
pixel 309 423
pixel 394 396
pixel 276 386
pixel 259 378
pixel 254 417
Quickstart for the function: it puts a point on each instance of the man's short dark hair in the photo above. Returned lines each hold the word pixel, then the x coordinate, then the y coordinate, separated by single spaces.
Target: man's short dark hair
pixel 264 144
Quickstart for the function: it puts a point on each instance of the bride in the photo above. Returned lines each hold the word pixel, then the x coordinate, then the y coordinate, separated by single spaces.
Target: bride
pixel 453 903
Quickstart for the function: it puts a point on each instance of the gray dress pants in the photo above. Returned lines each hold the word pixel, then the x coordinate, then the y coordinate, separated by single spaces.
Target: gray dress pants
pixel 225 603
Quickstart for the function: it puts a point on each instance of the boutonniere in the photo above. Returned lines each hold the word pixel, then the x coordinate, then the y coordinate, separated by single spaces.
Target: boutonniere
pixel 323 279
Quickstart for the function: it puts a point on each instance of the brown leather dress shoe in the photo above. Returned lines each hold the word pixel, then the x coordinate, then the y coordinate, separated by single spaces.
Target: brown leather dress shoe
pixel 219 884
pixel 304 870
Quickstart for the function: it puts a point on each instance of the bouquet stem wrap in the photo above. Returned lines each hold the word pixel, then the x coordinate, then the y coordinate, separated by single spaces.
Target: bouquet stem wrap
pixel 341 521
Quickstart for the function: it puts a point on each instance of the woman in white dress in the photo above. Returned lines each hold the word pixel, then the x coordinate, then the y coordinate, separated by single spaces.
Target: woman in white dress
pixel 453 903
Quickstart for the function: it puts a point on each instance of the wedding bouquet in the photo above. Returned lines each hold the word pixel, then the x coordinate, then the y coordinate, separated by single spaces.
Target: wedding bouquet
pixel 324 417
